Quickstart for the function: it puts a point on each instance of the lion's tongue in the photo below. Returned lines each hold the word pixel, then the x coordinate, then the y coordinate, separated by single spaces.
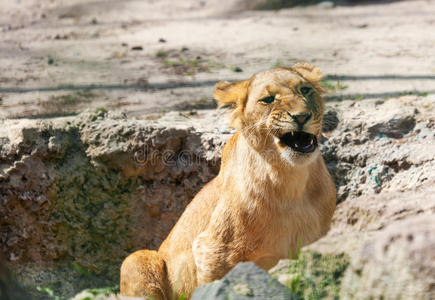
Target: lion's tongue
pixel 300 141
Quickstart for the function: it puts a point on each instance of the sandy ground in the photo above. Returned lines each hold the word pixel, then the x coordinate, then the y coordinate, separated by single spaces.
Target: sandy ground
pixel 154 56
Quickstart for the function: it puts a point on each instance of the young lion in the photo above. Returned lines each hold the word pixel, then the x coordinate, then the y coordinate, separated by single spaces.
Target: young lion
pixel 272 195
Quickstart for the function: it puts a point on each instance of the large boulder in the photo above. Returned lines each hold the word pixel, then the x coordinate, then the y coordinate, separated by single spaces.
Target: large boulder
pixel 398 263
pixel 244 281
pixel 78 194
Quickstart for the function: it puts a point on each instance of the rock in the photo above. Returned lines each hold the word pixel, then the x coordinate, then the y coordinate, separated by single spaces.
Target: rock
pixel 86 191
pixel 398 263
pixel 9 288
pixel 101 294
pixel 237 69
pixel 89 190
pixel 379 146
pixel 245 281
pixel 330 121
pixel 396 127
pixel 375 212
pixel 137 48
pixel 392 119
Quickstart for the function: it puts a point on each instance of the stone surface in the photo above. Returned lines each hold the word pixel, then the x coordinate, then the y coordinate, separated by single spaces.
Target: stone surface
pixel 398 263
pixel 244 281
pixel 80 193
pixel 77 195
pixel 377 145
pixel 9 288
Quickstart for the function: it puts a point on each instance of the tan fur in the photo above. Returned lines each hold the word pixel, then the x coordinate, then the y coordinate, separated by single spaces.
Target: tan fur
pixel 265 202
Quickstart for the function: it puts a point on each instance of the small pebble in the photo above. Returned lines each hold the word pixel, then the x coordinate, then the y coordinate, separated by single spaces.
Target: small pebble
pixel 237 69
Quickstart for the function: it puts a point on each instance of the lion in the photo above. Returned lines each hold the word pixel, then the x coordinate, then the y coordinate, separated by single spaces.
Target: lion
pixel 273 193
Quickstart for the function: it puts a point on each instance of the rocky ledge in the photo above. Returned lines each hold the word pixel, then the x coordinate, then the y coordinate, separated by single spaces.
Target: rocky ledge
pixel 77 194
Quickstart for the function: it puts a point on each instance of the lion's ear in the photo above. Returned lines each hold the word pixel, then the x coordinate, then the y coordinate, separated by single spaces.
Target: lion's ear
pixel 231 94
pixel 235 96
pixel 308 71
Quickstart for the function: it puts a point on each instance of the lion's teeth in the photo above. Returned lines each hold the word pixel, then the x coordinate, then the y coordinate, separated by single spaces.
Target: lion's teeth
pixel 311 142
pixel 291 133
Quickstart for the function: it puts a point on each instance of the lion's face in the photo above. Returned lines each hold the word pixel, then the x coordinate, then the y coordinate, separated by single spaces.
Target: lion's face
pixel 278 111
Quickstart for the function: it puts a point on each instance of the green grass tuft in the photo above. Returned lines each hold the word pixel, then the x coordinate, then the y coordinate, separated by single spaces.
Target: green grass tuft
pixel 313 276
pixel 49 292
pixel 334 87
pixel 161 53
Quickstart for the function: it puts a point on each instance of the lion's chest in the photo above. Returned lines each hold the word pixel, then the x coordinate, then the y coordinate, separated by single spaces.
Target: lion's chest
pixel 286 231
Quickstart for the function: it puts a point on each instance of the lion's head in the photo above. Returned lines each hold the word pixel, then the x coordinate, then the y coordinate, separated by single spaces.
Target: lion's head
pixel 278 111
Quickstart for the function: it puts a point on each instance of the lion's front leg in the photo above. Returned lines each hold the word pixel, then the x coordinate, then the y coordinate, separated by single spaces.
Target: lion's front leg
pixel 213 257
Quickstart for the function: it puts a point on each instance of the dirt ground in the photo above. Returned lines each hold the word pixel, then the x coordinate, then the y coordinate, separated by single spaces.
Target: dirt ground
pixel 60 57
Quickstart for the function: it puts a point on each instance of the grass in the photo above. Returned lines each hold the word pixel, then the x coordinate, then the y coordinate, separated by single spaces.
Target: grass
pixel 101 291
pixel 49 292
pixel 183 66
pixel 279 4
pixel 338 86
pixel 416 93
pixel 341 86
pixel 182 297
pixel 161 53
pixel 185 62
pixel 64 104
pixel 313 276
pixel 358 98
pixel 58 105
pixel 80 270
pixel 89 294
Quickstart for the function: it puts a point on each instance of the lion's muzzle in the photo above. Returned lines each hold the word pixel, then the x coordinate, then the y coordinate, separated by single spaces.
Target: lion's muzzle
pixel 299 141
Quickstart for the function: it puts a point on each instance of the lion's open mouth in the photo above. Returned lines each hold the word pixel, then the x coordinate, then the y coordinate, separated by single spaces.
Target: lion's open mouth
pixel 299 141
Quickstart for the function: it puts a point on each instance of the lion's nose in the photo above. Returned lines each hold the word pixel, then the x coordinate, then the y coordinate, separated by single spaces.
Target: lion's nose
pixel 301 119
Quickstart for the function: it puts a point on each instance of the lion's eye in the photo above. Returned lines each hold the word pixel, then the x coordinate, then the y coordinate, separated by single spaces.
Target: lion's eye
pixel 306 91
pixel 268 99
